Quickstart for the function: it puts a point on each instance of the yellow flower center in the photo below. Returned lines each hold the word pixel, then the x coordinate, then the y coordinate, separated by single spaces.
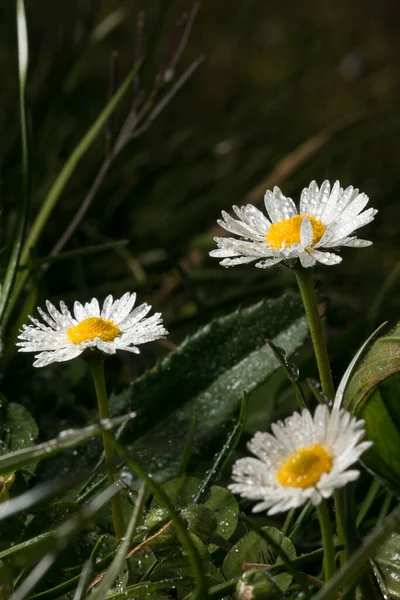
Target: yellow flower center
pixel 305 467
pixel 287 232
pixel 91 328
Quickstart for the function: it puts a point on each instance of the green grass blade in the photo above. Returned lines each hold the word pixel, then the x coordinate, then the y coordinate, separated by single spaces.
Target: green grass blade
pixel 84 580
pixel 225 453
pixel 194 558
pixel 19 234
pixel 66 439
pixel 62 179
pixel 34 577
pixel 117 564
pixel 354 567
pixel 291 373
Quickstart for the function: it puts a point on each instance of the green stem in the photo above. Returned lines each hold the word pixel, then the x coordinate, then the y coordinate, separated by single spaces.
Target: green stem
pixel 97 368
pixel 306 286
pixel 327 540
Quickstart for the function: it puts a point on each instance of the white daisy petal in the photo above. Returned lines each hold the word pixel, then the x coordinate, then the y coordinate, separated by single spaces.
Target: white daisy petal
pixel 279 206
pixel 305 459
pixel 64 337
pixel 306 232
pixel 269 262
pixel 93 308
pixel 79 312
pixel 307 259
pixel 327 258
pixel 355 243
pixel 232 262
pixel 327 219
pixel 107 307
pixel 253 218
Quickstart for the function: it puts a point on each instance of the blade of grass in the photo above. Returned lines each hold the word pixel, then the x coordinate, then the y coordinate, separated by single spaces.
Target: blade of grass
pixel 19 234
pixel 194 558
pixel 354 567
pixel 353 365
pixel 66 439
pixel 225 453
pixel 34 577
pixel 85 251
pixel 84 580
pixel 368 500
pixel 147 587
pixel 291 372
pixel 117 564
pixel 62 180
pixel 60 537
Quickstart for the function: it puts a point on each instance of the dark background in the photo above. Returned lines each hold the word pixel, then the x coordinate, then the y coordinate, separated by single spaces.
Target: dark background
pixel 287 92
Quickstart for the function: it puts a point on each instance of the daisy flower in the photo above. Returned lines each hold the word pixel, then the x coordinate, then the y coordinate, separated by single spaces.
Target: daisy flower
pixel 115 326
pixel 305 459
pixel 327 219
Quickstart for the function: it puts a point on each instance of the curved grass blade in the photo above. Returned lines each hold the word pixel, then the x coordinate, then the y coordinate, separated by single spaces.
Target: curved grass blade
pixel 291 371
pixel 60 537
pixel 194 558
pixel 117 564
pixel 66 439
pixel 84 580
pixel 146 587
pixel 63 178
pixel 34 577
pixel 316 390
pixel 19 234
pixel 354 567
pixel 79 252
pixel 352 367
pixel 226 452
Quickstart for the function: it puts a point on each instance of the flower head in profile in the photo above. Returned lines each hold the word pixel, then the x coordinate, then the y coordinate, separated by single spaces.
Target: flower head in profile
pixel 327 219
pixel 115 326
pixel 305 459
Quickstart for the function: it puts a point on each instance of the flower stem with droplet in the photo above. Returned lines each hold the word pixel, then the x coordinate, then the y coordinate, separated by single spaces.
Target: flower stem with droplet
pixel 97 368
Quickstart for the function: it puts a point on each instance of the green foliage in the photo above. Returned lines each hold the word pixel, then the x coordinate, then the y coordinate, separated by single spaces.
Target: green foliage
pixel 251 548
pixel 206 376
pixel 372 394
pixel 186 537
pixel 386 561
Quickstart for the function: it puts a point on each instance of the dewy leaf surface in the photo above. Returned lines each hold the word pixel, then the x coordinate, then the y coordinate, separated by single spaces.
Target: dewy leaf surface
pixel 206 376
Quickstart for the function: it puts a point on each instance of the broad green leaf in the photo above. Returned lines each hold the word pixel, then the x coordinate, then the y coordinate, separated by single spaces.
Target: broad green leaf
pixel 251 548
pixel 372 395
pixel 20 427
pixel 387 563
pixel 206 376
